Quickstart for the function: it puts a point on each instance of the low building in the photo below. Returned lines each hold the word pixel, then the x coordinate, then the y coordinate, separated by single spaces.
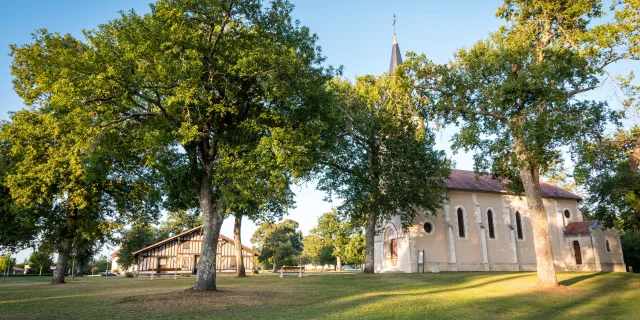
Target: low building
pixel 181 253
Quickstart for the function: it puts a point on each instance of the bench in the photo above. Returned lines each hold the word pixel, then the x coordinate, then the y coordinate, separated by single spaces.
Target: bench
pixel 291 271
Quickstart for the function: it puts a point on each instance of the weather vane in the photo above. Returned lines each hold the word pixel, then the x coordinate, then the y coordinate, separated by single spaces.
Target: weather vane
pixel 394 24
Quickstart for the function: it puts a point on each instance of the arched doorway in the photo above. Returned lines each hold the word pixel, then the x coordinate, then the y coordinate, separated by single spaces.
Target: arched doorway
pixel 390 248
pixel 393 252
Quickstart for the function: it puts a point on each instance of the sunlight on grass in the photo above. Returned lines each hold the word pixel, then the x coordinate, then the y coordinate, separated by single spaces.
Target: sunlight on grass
pixel 331 296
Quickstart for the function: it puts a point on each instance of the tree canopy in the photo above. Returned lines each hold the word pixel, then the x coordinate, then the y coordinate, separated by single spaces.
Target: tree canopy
pixel 232 91
pixel 382 163
pixel 279 244
pixel 517 96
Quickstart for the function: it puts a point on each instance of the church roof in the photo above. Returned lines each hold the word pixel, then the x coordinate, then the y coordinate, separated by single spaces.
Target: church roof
pixel 396 56
pixel 466 180
pixel 580 227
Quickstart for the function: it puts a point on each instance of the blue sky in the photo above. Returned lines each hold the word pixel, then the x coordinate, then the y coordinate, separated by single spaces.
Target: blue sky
pixel 355 34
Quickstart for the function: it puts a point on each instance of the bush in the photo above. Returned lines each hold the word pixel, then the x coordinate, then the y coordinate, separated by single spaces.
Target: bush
pixel 95 270
pixel 256 271
pixel 128 274
pixel 116 271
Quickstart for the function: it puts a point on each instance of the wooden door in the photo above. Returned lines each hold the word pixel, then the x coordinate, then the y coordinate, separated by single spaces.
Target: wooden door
pixel 393 250
pixel 577 253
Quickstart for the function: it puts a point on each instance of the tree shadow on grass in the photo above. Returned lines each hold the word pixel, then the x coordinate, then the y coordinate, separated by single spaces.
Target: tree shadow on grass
pixel 571 281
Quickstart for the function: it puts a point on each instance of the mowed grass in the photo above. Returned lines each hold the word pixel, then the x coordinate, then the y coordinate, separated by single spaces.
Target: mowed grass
pixel 471 295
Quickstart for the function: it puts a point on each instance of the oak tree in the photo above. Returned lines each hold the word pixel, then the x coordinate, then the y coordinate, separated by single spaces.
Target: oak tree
pixel 517 97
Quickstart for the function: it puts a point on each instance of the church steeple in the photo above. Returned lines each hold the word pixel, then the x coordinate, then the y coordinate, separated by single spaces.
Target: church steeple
pixel 396 56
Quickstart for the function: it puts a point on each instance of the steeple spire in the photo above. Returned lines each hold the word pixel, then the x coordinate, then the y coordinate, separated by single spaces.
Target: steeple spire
pixel 396 56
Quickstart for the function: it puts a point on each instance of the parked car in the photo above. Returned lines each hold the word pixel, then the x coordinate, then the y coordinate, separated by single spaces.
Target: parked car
pixel 107 274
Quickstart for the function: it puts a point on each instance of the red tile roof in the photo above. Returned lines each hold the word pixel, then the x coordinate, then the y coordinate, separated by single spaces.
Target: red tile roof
pixel 466 180
pixel 580 227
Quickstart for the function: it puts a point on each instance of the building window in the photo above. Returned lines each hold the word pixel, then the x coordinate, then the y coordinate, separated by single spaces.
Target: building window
pixel 608 246
pixel 186 246
pixel 461 230
pixel 492 231
pixel 428 227
pixel 567 213
pixel 519 226
pixel 162 262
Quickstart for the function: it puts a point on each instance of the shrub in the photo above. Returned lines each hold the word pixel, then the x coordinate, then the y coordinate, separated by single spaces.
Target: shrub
pixel 116 271
pixel 128 274
pixel 256 271
pixel 95 270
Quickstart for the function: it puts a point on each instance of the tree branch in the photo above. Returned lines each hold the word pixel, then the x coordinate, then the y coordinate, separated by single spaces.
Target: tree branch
pixel 131 116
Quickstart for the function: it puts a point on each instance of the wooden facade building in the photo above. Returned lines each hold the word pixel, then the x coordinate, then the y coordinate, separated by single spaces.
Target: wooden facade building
pixel 181 253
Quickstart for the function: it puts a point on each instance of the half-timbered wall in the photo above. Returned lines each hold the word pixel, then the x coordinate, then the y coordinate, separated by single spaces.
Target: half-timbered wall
pixel 183 252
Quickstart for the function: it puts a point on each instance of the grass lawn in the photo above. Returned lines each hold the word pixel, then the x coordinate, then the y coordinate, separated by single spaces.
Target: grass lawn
pixel 473 295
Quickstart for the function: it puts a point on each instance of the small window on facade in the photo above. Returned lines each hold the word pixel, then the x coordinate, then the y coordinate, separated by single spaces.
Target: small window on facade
pixel 461 231
pixel 492 231
pixel 428 227
pixel 162 262
pixel 519 226
pixel 186 246
pixel 567 214
pixel 608 246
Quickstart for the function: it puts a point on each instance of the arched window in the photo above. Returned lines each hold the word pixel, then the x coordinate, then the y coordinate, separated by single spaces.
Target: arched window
pixel 461 231
pixel 492 231
pixel 567 213
pixel 608 246
pixel 519 226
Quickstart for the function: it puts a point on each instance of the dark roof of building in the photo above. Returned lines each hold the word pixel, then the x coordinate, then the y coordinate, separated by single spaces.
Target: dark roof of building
pixel 196 229
pixel 580 227
pixel 466 180
pixel 396 56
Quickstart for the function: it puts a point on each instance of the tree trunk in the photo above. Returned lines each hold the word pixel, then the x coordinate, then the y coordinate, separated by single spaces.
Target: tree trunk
pixel 64 254
pixel 370 233
pixel 240 272
pixel 338 264
pixel 212 218
pixel 40 271
pixel 541 239
pixel 79 269
pixel 73 269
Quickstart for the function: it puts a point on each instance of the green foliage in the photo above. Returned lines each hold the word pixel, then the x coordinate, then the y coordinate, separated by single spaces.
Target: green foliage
pixel 279 244
pixel 517 95
pixel 180 221
pixel 382 162
pixel 136 238
pixel 631 249
pixel 228 98
pixel 4 260
pixel 128 274
pixel 609 171
pixel 41 260
pixel 330 239
pixel 354 250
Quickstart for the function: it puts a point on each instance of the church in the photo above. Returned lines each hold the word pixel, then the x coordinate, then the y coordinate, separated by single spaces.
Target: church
pixel 484 227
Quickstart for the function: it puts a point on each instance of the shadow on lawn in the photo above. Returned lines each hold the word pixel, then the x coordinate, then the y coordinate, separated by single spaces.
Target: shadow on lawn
pixel 574 280
pixel 569 300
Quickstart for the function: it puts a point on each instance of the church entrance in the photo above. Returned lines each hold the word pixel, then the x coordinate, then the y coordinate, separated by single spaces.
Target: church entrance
pixel 576 252
pixel 393 252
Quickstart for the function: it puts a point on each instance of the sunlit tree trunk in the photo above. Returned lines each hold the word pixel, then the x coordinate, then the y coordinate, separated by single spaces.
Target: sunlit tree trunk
pixel 370 233
pixel 212 218
pixel 64 254
pixel 240 272
pixel 541 239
